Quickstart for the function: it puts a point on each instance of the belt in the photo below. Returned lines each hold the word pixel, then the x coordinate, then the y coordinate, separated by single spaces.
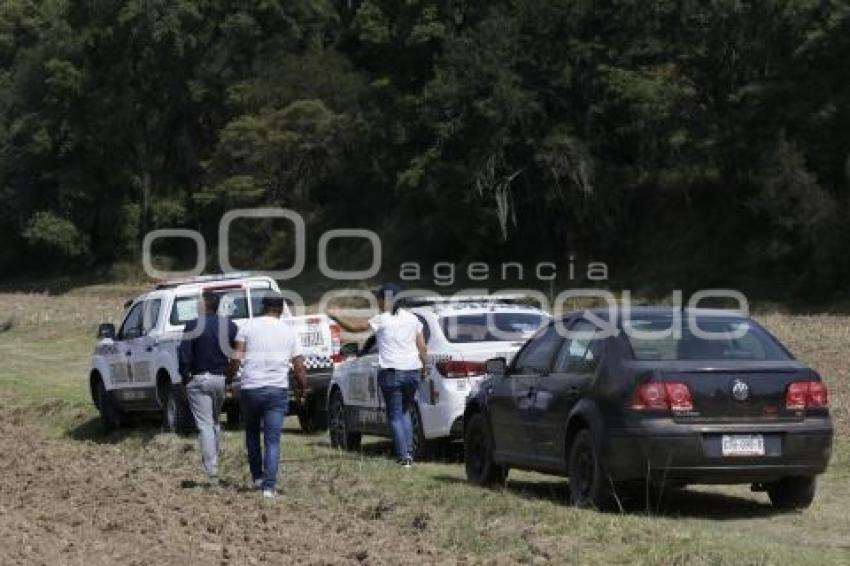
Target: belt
pixel 205 375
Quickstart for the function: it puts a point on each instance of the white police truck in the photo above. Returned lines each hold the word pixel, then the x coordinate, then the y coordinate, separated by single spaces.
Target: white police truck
pixel 134 368
pixel 461 334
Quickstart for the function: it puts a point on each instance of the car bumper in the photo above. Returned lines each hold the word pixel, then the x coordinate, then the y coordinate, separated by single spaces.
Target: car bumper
pixel 317 387
pixel 444 417
pixel 669 451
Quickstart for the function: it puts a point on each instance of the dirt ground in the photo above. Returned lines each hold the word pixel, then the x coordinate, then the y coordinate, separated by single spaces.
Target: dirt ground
pixel 83 502
pixel 71 495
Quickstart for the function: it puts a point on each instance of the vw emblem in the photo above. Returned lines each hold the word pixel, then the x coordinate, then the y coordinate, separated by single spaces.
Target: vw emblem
pixel 740 390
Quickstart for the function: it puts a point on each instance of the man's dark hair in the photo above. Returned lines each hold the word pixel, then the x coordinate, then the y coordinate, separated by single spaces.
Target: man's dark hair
pixel 211 300
pixel 273 302
pixel 387 292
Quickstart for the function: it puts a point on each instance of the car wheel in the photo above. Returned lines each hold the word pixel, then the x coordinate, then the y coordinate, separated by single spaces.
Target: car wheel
pixel 420 448
pixel 792 493
pixel 176 415
pixel 311 417
pixel 478 454
pixel 589 485
pixel 110 414
pixel 340 435
pixel 233 415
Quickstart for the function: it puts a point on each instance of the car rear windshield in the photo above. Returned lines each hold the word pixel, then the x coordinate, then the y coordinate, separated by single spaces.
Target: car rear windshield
pixel 490 327
pixel 724 339
pixel 233 305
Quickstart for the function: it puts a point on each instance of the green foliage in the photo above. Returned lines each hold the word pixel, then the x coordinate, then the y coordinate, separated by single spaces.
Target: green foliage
pixel 56 235
pixel 702 142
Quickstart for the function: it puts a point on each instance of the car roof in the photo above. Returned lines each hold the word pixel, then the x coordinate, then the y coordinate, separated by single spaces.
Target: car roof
pixel 203 281
pixel 190 287
pixel 657 310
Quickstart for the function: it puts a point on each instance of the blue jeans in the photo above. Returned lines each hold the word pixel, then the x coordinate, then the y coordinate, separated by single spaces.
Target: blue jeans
pixel 266 406
pixel 399 390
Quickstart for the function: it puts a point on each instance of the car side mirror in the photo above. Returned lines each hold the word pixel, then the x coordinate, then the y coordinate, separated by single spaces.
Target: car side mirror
pixel 106 330
pixel 495 366
pixel 349 350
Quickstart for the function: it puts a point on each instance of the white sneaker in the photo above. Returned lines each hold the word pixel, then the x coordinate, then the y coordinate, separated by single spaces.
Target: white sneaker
pixel 269 494
pixel 258 484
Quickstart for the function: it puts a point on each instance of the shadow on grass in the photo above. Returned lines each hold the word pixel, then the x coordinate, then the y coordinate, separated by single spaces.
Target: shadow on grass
pixel 676 502
pixel 441 452
pixel 138 427
pixel 145 427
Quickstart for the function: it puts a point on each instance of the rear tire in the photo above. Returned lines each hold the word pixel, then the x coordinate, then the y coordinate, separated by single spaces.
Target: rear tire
pixel 233 415
pixel 311 417
pixel 110 413
pixel 176 415
pixel 478 454
pixel 341 436
pixel 421 448
pixel 792 493
pixel 589 485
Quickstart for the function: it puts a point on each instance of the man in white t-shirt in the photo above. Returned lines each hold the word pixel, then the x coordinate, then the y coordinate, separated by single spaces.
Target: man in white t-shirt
pixel 264 349
pixel 402 359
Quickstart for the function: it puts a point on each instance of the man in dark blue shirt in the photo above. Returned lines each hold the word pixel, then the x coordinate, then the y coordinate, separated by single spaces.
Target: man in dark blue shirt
pixel 204 357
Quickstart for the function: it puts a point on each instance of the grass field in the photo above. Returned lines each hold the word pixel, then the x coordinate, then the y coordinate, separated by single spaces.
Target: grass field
pixel 70 495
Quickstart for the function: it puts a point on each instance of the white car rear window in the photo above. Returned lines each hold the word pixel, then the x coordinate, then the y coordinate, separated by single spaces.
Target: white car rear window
pixel 490 327
pixel 233 305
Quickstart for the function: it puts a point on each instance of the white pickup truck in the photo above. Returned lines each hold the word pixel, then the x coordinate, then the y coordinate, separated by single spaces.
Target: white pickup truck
pixel 135 368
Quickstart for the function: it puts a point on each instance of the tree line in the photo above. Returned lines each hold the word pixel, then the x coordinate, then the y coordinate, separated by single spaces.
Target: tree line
pixel 683 142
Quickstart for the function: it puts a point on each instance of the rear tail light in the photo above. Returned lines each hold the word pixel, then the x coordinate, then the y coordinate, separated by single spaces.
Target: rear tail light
pixel 457 369
pixel 336 344
pixel 818 398
pixel 802 395
pixel 662 396
pixel 679 397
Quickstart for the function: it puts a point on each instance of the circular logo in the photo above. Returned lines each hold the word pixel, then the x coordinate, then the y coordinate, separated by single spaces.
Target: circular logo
pixel 740 390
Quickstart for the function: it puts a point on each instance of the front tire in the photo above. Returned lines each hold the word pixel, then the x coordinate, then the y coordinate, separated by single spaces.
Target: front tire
pixel 478 454
pixel 341 436
pixel 110 413
pixel 792 493
pixel 589 485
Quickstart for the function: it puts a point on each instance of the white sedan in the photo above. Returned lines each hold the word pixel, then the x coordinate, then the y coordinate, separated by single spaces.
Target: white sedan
pixel 461 335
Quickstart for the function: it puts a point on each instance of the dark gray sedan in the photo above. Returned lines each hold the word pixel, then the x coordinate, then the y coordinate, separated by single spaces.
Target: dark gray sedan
pixel 630 402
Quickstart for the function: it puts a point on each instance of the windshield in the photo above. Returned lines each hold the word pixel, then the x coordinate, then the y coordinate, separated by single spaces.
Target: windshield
pixel 490 327
pixel 233 305
pixel 728 339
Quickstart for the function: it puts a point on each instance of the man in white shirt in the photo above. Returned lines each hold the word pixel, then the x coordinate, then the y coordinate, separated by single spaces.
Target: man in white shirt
pixel 402 359
pixel 265 346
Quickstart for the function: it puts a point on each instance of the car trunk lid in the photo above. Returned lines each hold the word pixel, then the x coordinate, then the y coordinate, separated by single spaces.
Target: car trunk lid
pixel 737 391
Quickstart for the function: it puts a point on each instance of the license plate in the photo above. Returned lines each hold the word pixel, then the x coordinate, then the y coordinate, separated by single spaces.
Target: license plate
pixel 311 339
pixel 132 395
pixel 743 445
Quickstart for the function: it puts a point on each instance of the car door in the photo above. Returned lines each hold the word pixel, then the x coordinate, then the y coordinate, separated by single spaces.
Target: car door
pixel 558 391
pixel 363 395
pixel 511 399
pixel 142 345
pixel 119 362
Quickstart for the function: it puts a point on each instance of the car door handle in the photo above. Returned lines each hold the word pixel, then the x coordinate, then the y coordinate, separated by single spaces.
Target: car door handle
pixel 573 391
pixel 128 353
pixel 149 349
